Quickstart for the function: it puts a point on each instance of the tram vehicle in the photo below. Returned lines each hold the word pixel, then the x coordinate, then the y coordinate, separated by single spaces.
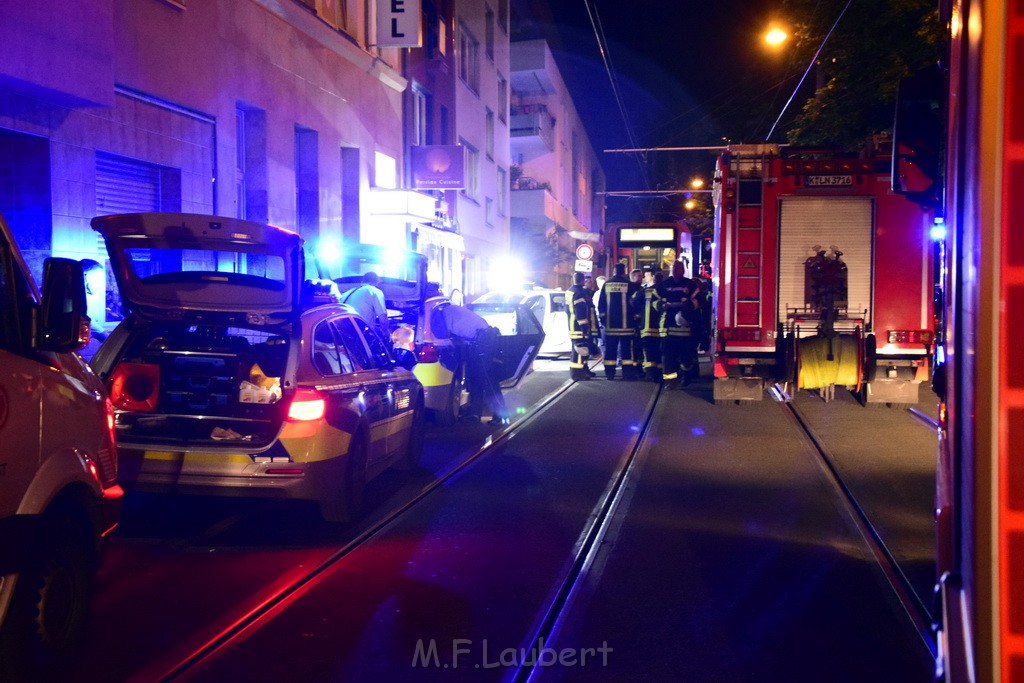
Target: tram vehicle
pixel 823 276
pixel 652 245
pixel 980 191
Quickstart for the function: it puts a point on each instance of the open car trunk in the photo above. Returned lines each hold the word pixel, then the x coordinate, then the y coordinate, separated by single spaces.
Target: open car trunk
pixel 199 386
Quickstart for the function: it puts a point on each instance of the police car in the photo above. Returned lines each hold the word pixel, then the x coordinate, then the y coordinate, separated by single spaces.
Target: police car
pixel 224 382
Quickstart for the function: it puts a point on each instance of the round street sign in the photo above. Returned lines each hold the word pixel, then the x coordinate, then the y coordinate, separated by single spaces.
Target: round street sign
pixel 585 252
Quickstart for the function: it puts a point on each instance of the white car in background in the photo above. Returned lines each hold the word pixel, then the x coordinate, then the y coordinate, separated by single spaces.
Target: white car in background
pixel 548 306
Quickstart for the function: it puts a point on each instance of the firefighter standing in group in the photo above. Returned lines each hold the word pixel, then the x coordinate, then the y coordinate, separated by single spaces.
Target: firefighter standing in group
pixel 578 301
pixel 616 314
pixel 679 306
pixel 636 311
pixel 646 301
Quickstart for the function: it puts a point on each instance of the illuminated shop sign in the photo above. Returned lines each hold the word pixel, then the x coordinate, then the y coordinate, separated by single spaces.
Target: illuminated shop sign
pixel 438 167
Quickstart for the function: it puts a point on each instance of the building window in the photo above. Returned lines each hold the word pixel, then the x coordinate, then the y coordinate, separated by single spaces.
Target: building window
pixel 435 38
pixel 576 174
pixel 469 59
pixel 385 171
pixel 489 129
pixel 502 191
pixel 502 98
pixel 472 170
pixel 307 182
pixel 251 160
pixel 420 114
pixel 489 32
pixel 503 15
pixel 126 185
pixel 489 211
pixel 350 226
pixel 446 135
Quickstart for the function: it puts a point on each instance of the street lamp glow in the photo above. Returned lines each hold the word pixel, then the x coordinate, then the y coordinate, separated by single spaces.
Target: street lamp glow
pixel 690 204
pixel 775 37
pixel 697 183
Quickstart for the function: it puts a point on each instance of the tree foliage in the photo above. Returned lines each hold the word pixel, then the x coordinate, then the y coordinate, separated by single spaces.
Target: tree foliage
pixel 856 76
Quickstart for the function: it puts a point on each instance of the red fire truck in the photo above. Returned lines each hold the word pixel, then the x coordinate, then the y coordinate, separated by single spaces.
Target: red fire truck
pixel 823 276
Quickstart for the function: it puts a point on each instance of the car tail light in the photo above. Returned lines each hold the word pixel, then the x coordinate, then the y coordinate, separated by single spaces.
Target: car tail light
pixel 428 353
pixel 306 405
pixel 135 386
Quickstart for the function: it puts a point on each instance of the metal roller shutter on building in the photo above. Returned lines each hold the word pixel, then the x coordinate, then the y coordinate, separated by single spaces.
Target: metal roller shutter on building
pixel 843 222
pixel 126 185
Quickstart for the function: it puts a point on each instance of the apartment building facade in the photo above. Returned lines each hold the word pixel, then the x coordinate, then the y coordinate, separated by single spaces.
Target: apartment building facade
pixel 458 95
pixel 556 180
pixel 279 111
pixel 276 111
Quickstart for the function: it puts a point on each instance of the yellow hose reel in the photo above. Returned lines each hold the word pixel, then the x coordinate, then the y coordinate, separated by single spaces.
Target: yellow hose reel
pixel 816 371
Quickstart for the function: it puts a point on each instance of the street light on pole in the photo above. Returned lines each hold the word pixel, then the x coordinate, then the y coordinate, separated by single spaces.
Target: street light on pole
pixel 775 36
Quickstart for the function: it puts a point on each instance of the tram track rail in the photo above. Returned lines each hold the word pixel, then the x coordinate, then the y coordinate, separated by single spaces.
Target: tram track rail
pixel 587 547
pixel 898 581
pixel 272 601
pixel 553 611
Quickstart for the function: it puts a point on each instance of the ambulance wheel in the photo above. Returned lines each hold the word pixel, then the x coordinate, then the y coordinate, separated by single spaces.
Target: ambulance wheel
pixel 346 504
pixel 46 622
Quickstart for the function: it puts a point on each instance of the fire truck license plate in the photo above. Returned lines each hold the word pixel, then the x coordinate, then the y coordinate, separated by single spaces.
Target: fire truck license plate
pixel 830 180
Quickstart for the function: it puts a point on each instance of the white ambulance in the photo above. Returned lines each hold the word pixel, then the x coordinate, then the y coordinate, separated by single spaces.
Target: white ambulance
pixel 58 468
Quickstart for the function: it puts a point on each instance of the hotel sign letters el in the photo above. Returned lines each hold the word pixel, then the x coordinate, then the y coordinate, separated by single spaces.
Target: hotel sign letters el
pixel 398 23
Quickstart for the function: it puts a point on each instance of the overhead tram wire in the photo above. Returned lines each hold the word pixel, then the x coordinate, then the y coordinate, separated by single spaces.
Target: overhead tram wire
pixel 810 66
pixel 595 23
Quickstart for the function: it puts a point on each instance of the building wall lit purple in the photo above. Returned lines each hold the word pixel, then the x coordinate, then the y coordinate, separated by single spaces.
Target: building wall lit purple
pixel 274 111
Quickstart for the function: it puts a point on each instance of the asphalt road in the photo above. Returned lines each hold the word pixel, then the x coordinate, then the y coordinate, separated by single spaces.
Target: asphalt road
pixel 731 557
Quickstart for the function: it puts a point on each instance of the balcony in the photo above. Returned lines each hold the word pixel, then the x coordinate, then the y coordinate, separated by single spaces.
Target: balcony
pixel 532 131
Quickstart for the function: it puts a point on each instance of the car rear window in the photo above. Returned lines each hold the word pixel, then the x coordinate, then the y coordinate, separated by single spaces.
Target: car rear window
pixel 266 271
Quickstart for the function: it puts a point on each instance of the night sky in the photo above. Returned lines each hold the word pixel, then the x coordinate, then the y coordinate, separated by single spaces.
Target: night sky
pixel 688 74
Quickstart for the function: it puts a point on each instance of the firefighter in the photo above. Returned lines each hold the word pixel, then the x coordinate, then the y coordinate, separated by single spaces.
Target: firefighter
pixel 636 310
pixel 646 301
pixel 616 315
pixel 678 303
pixel 578 302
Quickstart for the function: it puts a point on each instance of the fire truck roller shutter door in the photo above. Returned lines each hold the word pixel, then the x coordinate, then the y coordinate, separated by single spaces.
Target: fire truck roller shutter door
pixel 845 222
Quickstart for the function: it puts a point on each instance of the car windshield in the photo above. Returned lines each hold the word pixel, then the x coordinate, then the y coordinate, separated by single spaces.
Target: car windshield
pixel 499 298
pixel 161 265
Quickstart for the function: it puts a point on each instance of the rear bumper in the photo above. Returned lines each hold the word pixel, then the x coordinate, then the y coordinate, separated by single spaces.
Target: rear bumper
pixel 437 381
pixel 188 474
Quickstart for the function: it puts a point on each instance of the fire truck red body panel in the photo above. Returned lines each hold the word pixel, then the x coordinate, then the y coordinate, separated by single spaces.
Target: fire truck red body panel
pixel 774 209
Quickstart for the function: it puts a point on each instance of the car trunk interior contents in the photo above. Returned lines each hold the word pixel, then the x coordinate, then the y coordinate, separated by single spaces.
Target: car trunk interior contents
pixel 201 385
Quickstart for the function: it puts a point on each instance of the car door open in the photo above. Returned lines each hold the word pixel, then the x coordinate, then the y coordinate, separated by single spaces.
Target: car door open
pixel 520 340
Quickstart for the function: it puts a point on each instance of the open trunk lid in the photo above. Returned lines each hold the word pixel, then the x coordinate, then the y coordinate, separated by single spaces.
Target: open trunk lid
pixel 177 266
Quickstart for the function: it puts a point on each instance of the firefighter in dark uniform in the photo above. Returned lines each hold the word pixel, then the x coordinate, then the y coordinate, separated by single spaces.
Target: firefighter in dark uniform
pixel 579 302
pixel 636 312
pixel 615 311
pixel 650 328
pixel 678 303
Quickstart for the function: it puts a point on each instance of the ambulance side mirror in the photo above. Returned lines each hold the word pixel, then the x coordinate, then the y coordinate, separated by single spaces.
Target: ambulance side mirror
pixel 60 322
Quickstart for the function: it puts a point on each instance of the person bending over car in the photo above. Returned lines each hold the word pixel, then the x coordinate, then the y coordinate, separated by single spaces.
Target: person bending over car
pixel 478 341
